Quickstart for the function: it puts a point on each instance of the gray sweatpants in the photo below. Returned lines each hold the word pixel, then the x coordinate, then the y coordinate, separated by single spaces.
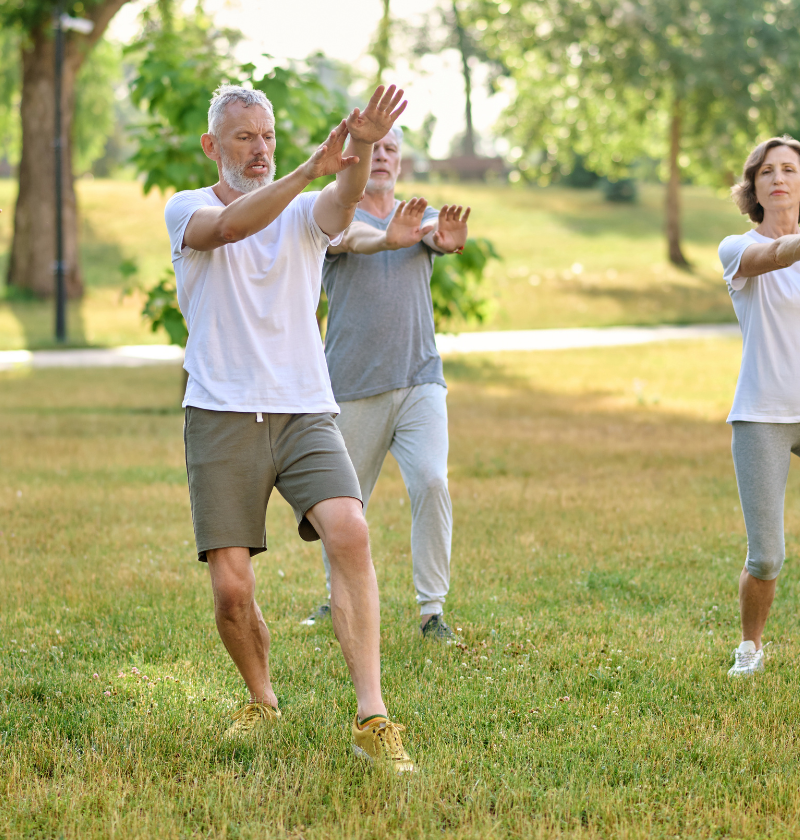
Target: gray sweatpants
pixel 411 423
pixel 761 456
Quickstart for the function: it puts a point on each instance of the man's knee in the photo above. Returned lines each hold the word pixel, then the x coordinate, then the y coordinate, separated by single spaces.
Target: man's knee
pixel 766 566
pixel 347 537
pixel 429 484
pixel 234 591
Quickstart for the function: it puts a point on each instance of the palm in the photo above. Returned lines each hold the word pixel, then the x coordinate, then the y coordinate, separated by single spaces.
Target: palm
pixel 451 234
pixel 404 229
pixel 376 120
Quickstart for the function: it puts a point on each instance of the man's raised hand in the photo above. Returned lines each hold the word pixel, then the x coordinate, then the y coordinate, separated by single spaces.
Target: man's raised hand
pixel 328 160
pixel 451 233
pixel 404 229
pixel 375 121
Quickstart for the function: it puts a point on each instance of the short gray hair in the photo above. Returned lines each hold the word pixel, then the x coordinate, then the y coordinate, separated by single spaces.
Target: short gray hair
pixel 225 94
pixel 398 133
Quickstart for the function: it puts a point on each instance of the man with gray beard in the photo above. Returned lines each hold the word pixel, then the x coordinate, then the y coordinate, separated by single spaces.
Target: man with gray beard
pixel 248 255
pixel 385 370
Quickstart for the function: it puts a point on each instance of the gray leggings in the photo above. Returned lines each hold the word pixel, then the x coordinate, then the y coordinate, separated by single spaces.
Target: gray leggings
pixel 761 456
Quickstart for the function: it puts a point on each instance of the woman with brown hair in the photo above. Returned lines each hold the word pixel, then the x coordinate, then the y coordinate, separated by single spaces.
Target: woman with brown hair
pixel 763 276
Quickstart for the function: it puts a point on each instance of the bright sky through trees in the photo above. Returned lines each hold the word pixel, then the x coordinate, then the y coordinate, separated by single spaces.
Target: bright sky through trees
pixel 294 30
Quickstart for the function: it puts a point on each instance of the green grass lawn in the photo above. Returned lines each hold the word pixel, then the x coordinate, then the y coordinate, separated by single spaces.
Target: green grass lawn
pixel 570 259
pixel 598 541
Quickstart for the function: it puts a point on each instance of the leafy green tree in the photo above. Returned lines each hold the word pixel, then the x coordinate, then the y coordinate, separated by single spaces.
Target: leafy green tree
pixel 29 23
pixel 180 63
pixel 381 47
pixel 691 84
pixel 95 101
pixel 447 27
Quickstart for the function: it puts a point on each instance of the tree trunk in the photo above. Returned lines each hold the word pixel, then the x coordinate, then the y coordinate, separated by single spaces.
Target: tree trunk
pixel 33 249
pixel 673 205
pixel 382 46
pixel 463 47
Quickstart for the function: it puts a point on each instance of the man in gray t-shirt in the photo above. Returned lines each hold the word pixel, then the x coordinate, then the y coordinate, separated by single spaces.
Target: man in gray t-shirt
pixel 385 370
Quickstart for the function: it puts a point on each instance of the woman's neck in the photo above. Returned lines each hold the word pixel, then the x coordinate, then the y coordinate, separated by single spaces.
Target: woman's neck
pixel 779 223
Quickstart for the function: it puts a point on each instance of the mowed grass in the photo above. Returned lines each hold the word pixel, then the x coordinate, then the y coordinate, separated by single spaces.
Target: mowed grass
pixel 570 259
pixel 598 541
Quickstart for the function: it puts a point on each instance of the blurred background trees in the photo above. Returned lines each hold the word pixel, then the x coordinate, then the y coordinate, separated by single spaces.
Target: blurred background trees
pixel 691 85
pixel 28 31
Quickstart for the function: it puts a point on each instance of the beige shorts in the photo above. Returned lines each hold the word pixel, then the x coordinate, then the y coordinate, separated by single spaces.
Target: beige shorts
pixel 233 461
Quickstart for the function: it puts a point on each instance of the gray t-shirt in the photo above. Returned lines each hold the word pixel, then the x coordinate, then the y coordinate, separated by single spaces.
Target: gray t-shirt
pixel 380 318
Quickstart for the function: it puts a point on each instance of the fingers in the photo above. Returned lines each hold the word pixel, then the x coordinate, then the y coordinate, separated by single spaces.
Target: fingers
pixel 376 97
pixel 413 207
pixel 452 213
pixel 390 98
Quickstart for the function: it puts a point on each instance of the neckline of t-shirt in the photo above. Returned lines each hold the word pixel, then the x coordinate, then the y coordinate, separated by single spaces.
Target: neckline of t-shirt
pixel 386 219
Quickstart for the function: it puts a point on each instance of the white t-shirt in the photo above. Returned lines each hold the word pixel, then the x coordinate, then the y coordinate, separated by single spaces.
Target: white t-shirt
pixel 768 309
pixel 254 344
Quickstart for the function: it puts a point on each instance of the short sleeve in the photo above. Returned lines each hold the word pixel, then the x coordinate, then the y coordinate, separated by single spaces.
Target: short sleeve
pixel 306 202
pixel 730 255
pixel 179 210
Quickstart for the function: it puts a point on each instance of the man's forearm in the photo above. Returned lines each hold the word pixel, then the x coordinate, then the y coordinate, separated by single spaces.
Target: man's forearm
pixel 361 238
pixel 350 183
pixel 254 211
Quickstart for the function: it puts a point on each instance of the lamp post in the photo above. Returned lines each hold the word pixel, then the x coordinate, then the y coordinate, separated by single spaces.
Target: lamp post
pixel 61 23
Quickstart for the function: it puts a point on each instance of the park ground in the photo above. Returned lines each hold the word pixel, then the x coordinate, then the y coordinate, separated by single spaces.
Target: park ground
pixel 598 541
pixel 570 259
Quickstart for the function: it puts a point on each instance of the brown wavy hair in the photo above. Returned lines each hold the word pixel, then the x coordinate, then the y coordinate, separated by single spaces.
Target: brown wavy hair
pixel 744 193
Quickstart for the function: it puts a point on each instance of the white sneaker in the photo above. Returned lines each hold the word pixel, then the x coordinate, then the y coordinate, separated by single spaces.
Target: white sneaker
pixel 748 660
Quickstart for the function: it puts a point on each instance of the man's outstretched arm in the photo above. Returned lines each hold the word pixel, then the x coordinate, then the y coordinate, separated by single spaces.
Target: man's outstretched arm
pixel 403 231
pixel 212 227
pixel 336 205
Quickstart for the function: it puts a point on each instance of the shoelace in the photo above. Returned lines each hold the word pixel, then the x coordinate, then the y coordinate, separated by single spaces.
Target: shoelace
pixel 388 735
pixel 250 713
pixel 745 659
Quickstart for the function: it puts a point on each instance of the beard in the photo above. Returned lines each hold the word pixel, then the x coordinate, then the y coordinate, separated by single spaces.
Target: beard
pixel 374 186
pixel 234 174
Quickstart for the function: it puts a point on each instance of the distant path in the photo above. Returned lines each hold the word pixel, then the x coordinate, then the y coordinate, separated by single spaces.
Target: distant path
pixel 471 342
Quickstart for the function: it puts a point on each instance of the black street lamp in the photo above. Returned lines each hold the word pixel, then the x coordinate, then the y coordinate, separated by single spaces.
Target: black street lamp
pixel 61 23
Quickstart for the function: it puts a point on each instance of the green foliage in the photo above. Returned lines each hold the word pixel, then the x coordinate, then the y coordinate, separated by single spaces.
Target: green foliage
pixel 457 283
pixel 30 14
pixel 95 99
pixel 10 128
pixel 161 310
pixel 182 62
pixel 602 79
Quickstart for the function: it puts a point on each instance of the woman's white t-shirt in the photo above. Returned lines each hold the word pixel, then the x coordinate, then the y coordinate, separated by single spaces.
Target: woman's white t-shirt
pixel 768 309
pixel 254 344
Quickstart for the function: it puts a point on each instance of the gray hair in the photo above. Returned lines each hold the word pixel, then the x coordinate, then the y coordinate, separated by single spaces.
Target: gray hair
pixel 225 94
pixel 398 133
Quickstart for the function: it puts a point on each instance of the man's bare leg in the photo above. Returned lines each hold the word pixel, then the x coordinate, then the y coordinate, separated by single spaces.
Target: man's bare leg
pixel 755 599
pixel 239 621
pixel 355 607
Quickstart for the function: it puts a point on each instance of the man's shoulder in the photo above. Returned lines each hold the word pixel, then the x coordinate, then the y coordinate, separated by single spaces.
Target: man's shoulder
pixel 191 198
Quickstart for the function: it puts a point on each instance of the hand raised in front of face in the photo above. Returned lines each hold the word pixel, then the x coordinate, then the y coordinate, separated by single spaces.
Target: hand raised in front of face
pixel 328 159
pixel 375 121
pixel 404 229
pixel 451 234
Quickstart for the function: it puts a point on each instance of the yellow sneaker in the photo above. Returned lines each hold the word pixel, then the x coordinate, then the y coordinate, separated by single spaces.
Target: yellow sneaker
pixel 251 717
pixel 379 740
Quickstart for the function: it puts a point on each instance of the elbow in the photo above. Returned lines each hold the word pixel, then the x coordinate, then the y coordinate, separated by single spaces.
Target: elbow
pixel 229 234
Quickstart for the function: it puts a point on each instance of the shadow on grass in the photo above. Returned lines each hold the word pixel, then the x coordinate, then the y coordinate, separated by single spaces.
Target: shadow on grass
pixel 668 303
pixel 37 319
